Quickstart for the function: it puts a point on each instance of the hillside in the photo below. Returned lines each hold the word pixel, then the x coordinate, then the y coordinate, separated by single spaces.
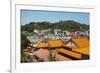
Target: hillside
pixel 69 25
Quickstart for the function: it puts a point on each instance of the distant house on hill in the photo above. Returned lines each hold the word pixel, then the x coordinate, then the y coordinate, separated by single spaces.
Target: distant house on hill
pixel 78 34
pixel 36 31
pixel 66 32
pixel 87 32
pixel 57 31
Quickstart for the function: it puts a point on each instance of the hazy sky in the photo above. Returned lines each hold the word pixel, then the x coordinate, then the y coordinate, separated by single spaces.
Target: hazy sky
pixel 38 16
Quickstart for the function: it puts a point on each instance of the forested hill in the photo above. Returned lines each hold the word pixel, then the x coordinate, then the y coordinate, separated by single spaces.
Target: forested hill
pixel 68 25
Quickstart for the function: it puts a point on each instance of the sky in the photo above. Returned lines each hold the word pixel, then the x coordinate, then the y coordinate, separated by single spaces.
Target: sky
pixel 28 16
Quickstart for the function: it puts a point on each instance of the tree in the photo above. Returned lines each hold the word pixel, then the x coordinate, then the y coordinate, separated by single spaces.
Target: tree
pixel 24 43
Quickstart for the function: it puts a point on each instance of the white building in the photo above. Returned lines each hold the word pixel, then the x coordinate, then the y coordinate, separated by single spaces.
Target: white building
pixel 57 31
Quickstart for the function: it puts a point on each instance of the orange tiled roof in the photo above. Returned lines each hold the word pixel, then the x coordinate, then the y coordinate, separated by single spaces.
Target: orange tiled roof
pixel 71 47
pixel 55 43
pixel 35 45
pixel 41 45
pixel 71 53
pixel 83 50
pixel 50 43
pixel 80 42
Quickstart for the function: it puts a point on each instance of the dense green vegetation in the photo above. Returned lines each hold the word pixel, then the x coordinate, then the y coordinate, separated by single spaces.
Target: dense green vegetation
pixel 24 43
pixel 69 25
